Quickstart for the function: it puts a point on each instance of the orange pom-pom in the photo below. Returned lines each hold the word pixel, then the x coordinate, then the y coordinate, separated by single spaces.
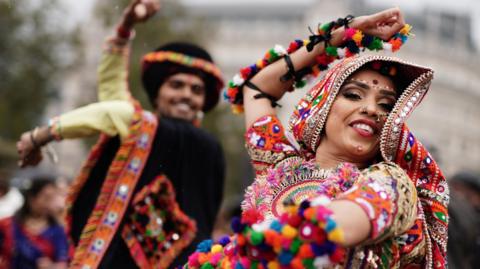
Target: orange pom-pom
pixel 396 44
pixel 296 263
pixel 309 213
pixel 305 251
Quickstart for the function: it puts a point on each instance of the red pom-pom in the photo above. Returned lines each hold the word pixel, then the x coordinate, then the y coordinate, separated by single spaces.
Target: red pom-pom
pixel 293 47
pixel 338 255
pixel 305 251
pixel 251 216
pixel 245 72
pixel 294 221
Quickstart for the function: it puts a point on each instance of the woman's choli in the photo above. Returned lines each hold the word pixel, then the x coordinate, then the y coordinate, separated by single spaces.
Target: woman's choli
pixel 383 191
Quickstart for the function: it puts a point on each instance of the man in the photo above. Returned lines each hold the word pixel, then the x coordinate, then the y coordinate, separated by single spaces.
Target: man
pixel 152 186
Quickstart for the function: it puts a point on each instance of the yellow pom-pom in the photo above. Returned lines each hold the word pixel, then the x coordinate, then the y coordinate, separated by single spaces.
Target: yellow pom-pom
pixel 260 63
pixel 357 37
pixel 237 109
pixel 289 232
pixel 273 265
pixel 336 235
pixel 216 248
pixel 406 29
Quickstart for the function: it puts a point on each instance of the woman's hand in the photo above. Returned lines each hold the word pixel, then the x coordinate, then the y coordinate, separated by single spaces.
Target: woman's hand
pixel 383 24
pixel 139 11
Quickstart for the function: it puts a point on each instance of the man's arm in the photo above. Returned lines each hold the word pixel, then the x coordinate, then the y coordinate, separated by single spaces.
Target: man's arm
pixel 109 117
pixel 113 69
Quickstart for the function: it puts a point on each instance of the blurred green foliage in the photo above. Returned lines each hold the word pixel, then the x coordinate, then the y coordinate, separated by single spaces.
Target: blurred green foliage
pixel 32 48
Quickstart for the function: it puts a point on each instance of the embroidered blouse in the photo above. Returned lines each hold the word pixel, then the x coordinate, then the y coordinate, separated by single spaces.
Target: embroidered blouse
pixel 383 190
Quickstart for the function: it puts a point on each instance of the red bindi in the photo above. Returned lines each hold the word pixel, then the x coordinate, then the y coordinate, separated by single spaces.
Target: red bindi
pixel 375 82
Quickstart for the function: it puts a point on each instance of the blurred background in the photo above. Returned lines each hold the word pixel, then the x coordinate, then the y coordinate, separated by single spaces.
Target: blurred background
pixel 49 51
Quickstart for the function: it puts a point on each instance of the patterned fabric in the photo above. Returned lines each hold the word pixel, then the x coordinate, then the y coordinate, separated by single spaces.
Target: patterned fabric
pixel 157 230
pixel 267 144
pixel 21 249
pixel 402 228
pixel 116 191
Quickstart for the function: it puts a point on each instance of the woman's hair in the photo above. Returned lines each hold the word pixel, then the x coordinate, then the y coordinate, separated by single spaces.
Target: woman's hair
pixel 37 185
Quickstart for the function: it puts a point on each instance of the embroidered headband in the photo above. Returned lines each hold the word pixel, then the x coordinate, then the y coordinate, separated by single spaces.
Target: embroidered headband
pixel 182 59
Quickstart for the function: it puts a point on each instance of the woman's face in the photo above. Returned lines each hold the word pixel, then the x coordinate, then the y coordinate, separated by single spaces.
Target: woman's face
pixel 357 116
pixel 40 204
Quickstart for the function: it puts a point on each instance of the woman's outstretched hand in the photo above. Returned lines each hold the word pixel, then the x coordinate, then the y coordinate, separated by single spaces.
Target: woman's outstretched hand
pixel 383 24
pixel 139 11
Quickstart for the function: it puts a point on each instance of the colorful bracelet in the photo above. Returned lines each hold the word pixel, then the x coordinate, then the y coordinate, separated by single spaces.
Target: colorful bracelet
pixel 354 41
pixel 306 236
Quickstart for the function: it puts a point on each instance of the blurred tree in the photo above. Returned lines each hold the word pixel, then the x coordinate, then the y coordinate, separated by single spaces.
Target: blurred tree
pixel 34 50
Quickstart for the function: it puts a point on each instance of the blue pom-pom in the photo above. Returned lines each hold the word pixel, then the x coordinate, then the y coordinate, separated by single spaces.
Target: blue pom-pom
pixel 352 46
pixel 236 225
pixel 285 257
pixel 329 247
pixel 239 266
pixel 319 250
pixel 367 40
pixel 224 240
pixel 304 204
pixel 254 69
pixel 205 246
pixel 331 224
pixel 275 225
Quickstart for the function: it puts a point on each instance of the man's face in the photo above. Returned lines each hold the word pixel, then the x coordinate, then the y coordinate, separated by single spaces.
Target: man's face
pixel 181 96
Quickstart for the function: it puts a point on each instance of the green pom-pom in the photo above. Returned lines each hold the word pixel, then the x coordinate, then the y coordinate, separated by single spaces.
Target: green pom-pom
pixel 207 266
pixel 231 84
pixel 325 27
pixel 273 54
pixel 331 51
pixel 300 84
pixel 376 44
pixel 256 238
pixel 254 265
pixel 308 263
pixel 295 246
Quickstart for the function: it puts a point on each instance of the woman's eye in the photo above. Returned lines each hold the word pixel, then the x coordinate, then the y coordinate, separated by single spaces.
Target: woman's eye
pixel 386 106
pixel 352 96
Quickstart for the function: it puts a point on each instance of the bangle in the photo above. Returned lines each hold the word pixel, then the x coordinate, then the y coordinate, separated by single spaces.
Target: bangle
pixel 262 94
pixel 354 41
pixel 32 138
pixel 123 32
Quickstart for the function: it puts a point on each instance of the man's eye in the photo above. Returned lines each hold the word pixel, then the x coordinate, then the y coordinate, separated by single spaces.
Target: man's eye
pixel 176 84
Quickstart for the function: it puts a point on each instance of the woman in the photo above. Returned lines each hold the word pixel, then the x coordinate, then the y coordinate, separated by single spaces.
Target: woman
pixel 386 196
pixel 33 238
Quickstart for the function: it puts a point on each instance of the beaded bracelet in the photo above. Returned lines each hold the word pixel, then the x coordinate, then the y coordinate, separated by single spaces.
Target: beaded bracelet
pixel 306 236
pixel 354 41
